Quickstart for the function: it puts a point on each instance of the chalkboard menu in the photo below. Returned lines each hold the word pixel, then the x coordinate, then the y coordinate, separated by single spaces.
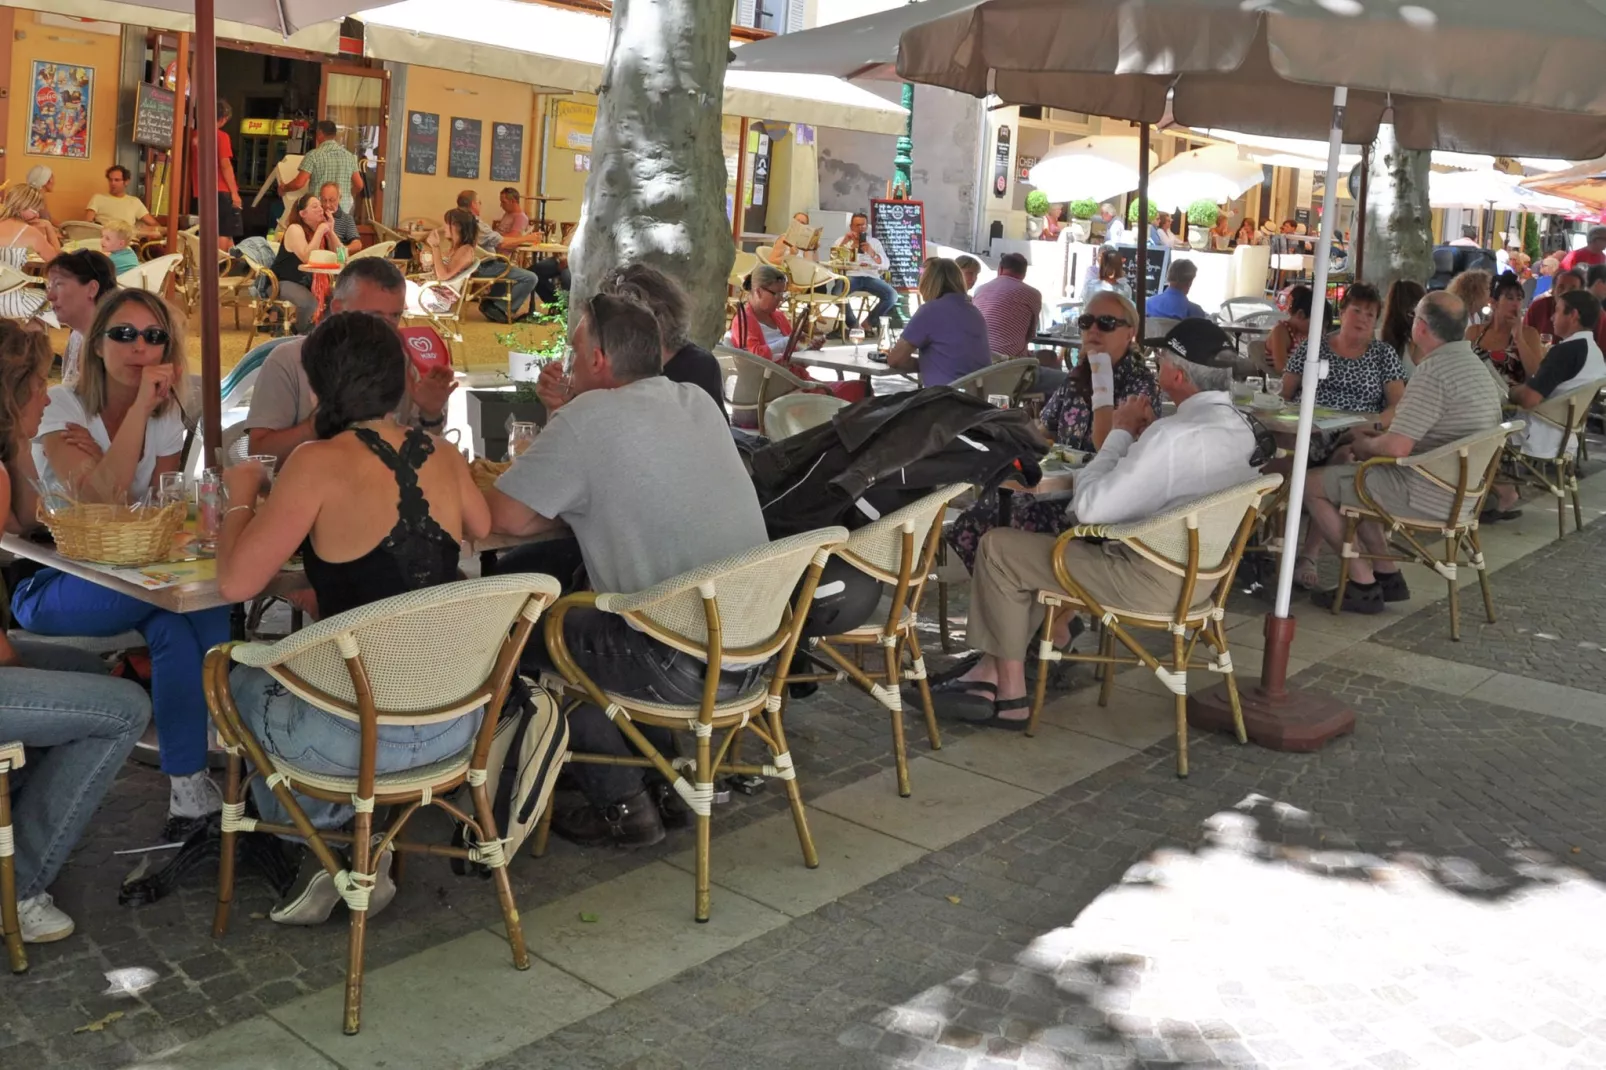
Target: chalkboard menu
pixel 153 116
pixel 423 142
pixel 464 160
pixel 1156 267
pixel 507 152
pixel 900 226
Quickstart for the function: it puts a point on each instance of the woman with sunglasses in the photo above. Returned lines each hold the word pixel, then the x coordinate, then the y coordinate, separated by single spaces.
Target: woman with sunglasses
pixel 762 329
pixel 1071 419
pixel 310 231
pixel 109 439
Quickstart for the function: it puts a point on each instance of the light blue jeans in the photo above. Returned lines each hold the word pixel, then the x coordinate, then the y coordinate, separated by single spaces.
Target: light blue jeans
pixel 319 742
pixel 78 726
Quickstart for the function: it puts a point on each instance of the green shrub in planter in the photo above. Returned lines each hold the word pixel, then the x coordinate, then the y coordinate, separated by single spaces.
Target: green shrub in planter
pixel 1083 209
pixel 1203 214
pixel 1037 203
pixel 1132 213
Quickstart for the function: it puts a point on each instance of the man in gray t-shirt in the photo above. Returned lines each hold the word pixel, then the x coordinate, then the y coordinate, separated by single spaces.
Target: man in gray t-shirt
pixel 644 472
pixel 280 418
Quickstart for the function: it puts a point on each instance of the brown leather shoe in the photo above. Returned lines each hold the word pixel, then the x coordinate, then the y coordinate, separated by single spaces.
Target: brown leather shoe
pixel 632 822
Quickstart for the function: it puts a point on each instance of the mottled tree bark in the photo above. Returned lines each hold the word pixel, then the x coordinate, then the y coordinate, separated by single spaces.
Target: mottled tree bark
pixel 657 186
pixel 1399 223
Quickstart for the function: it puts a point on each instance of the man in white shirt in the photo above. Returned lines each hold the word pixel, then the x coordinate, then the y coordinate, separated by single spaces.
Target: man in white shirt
pixel 1144 467
pixel 1114 227
pixel 870 260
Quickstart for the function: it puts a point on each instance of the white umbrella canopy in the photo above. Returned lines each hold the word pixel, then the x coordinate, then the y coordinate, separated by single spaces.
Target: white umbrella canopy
pixel 1095 168
pixel 1216 173
pixel 1491 189
pixel 1472 76
pixel 863 47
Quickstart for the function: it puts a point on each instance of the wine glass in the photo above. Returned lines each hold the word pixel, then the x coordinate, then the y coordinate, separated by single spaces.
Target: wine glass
pixel 856 336
pixel 520 436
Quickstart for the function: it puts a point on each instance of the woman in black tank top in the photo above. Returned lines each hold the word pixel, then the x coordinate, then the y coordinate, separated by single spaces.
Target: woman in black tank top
pixel 332 502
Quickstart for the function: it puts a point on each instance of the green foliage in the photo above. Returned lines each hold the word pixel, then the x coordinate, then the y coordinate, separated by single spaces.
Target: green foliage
pixel 1530 238
pixel 1037 203
pixel 1132 213
pixel 527 337
pixel 1203 214
pixel 1083 209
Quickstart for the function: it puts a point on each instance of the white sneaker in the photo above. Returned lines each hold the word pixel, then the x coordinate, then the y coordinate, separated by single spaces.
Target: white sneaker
pixel 42 922
pixel 193 796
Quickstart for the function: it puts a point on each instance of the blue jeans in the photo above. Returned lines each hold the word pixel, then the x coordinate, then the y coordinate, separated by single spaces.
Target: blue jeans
pixel 53 603
pixel 881 288
pixel 319 742
pixel 498 307
pixel 78 730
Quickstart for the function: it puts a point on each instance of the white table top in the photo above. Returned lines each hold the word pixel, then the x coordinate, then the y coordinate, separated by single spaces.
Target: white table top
pixel 843 360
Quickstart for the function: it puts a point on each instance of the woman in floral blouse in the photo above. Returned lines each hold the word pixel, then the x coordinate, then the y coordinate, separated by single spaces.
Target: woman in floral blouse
pixel 1070 420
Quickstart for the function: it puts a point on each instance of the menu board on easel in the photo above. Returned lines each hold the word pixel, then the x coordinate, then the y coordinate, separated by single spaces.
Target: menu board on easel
pixel 1155 267
pixel 507 152
pixel 153 116
pixel 900 226
pixel 463 155
pixel 423 142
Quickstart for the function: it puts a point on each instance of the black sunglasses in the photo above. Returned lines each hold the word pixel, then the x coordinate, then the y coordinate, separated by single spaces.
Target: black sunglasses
pixel 126 333
pixel 1105 323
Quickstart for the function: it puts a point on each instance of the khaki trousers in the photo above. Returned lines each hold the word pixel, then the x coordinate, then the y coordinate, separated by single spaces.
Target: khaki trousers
pixel 1012 566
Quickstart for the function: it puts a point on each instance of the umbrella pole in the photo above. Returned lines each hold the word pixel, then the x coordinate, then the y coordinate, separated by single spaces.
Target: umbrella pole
pixel 206 168
pixel 1358 270
pixel 1141 297
pixel 1273 716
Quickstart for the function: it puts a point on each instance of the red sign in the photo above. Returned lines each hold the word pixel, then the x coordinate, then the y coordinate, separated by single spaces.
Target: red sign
pixel 426 349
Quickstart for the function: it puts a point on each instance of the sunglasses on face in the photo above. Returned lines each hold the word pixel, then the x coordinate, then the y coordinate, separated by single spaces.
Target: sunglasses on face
pixel 126 333
pixel 1104 323
pixel 773 293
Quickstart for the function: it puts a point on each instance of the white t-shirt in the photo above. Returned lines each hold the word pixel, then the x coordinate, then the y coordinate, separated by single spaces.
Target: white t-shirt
pixel 129 208
pixel 164 435
pixel 870 264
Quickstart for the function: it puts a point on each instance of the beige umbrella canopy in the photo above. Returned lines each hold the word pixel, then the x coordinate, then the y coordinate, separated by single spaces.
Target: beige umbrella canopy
pixel 1464 75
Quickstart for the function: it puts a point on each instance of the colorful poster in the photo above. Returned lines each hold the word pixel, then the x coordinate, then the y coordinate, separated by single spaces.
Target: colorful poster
pixel 58 110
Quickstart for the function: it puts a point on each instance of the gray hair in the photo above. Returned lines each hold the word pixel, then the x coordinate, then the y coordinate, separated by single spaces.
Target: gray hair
pixel 764 275
pixel 374 270
pixel 1597 233
pixel 1201 377
pixel 1182 273
pixel 1444 315
pixel 1129 311
pixel 648 286
pixel 627 333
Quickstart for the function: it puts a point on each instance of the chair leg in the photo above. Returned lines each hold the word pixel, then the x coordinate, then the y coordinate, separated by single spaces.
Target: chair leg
pixel 1219 630
pixel 933 733
pixel 794 793
pixel 1561 515
pixel 943 632
pixel 1107 650
pixel 894 704
pixel 504 889
pixel 232 794
pixel 10 925
pixel 1483 575
pixel 1343 562
pixel 543 831
pixel 1179 664
pixel 705 775
pixel 1455 592
pixel 1040 687
pixel 361 862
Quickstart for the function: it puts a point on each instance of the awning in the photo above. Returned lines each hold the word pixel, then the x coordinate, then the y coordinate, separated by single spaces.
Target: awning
pixel 318 37
pixel 564 50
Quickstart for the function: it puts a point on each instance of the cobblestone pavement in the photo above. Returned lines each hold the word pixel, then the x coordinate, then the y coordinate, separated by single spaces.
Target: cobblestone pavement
pixel 1424 893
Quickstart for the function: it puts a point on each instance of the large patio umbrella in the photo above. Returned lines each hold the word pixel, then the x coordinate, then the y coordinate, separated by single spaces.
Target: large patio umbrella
pixel 1216 173
pixel 1494 190
pixel 1094 168
pixel 1294 68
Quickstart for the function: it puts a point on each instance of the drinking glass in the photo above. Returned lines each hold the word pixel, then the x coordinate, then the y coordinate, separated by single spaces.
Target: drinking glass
pixel 1547 340
pixel 170 489
pixel 856 336
pixel 520 436
pixel 267 461
pixel 208 509
pixel 998 401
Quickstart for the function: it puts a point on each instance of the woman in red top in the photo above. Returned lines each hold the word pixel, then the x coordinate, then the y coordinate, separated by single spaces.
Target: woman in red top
pixel 762 329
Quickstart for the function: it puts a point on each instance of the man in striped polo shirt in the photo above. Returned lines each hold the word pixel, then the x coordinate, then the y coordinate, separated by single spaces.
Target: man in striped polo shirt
pixel 1011 309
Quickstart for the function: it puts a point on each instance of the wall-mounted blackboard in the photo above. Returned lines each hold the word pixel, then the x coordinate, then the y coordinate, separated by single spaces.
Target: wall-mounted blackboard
pixel 423 142
pixel 901 228
pixel 1156 265
pixel 464 158
pixel 507 152
pixel 153 116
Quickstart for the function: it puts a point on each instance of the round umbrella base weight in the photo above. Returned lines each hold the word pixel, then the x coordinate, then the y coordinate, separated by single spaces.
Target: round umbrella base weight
pixel 1297 721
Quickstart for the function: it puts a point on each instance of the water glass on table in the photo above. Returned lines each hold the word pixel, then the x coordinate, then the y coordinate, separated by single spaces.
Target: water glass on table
pixel 521 436
pixel 209 496
pixel 268 462
pixel 170 490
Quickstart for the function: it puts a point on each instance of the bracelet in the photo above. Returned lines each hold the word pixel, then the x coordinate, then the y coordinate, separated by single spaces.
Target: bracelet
pixel 235 508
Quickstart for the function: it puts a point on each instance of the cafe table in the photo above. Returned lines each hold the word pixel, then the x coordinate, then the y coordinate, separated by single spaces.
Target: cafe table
pixel 844 361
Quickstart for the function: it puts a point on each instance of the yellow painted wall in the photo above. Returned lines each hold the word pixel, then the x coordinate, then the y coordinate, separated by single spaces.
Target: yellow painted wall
pixel 562 180
pixel 76 180
pixel 464 96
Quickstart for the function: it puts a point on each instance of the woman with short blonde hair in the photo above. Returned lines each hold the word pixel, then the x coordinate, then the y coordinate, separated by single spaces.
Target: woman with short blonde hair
pixel 23 231
pixel 946 338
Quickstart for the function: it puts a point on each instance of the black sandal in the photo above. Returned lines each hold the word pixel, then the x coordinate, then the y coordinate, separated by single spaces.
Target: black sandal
pixel 963 703
pixel 1008 724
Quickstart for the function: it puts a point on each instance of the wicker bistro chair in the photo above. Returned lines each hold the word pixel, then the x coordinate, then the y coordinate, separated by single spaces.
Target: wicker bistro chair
pixel 364 666
pixel 470 288
pixel 11 757
pixel 898 549
pixel 1558 475
pixel 1201 541
pixel 1012 378
pixel 795 413
pixel 813 285
pixel 1466 468
pixel 732 613
pixel 759 382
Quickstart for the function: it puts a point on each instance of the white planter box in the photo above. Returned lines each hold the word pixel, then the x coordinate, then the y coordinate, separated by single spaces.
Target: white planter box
pixel 524 367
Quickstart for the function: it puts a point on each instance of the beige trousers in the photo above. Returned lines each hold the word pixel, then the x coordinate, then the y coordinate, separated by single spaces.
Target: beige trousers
pixel 1012 566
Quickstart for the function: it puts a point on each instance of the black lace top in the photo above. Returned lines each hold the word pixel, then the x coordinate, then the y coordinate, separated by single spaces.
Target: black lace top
pixel 417 553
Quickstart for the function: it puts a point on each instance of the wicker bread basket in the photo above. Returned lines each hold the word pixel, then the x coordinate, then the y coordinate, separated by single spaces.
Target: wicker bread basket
pixel 114 534
pixel 485 472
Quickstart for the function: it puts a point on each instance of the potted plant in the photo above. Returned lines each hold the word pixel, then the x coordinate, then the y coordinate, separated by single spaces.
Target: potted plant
pixel 1202 215
pixel 531 346
pixel 1082 213
pixel 1132 213
pixel 1036 209
pixel 533 342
